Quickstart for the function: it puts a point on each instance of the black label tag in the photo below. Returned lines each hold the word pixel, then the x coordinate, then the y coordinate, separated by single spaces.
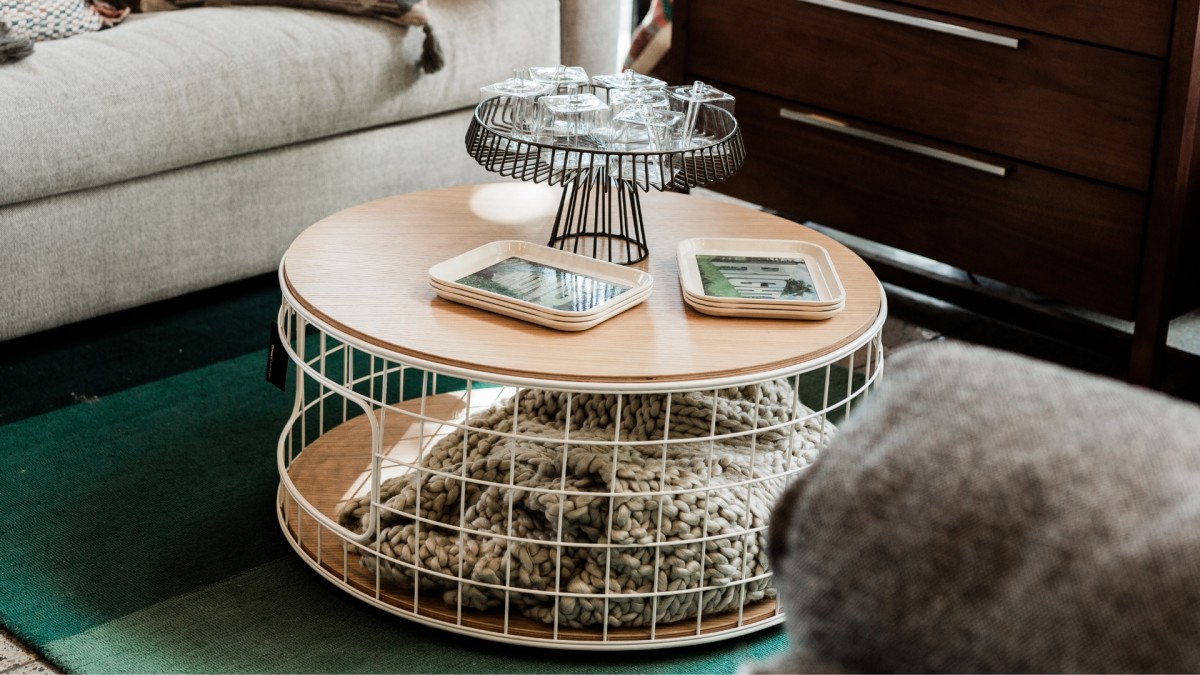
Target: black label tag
pixel 277 360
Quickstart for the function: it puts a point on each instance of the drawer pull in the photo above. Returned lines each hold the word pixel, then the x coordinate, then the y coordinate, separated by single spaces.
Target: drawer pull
pixel 843 128
pixel 909 20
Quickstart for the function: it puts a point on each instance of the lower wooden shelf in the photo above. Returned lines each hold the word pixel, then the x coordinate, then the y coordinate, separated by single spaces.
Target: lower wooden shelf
pixel 336 468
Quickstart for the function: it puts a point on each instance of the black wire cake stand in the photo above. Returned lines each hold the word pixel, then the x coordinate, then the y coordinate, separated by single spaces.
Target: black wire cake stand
pixel 600 213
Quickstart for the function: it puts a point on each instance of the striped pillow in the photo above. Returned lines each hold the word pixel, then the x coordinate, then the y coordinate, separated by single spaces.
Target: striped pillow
pixel 23 22
pixel 54 19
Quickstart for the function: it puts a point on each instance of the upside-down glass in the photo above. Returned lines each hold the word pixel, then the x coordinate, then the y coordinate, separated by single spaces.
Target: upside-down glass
pixel 571 118
pixel 644 127
pixel 560 77
pixel 625 81
pixel 619 99
pixel 523 93
pixel 689 99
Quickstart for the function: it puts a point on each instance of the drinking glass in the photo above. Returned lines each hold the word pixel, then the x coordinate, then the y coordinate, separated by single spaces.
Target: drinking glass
pixel 573 116
pixel 689 99
pixel 625 81
pixel 646 126
pixel 560 77
pixel 523 94
pixel 619 99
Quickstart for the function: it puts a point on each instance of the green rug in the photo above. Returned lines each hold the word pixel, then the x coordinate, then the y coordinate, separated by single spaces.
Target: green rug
pixel 140 536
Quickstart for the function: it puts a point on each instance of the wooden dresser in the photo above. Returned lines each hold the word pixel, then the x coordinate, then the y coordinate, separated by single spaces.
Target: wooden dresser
pixel 1046 144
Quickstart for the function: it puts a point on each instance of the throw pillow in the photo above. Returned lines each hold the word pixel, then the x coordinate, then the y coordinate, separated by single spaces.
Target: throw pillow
pixel 23 22
pixel 400 12
pixel 652 39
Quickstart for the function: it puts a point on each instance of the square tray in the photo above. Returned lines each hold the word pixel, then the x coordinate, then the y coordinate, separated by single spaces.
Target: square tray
pixel 760 313
pixel 535 317
pixel 626 301
pixel 770 266
pixel 707 302
pixel 541 279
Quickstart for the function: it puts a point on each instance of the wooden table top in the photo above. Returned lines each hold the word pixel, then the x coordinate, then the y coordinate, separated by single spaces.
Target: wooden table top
pixel 365 271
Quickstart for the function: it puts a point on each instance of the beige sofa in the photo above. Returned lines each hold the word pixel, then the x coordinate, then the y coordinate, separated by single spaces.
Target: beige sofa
pixel 182 150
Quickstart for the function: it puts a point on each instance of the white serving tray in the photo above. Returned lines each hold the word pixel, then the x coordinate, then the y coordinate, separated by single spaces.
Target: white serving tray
pixel 704 300
pixel 626 301
pixel 763 313
pixel 536 317
pixel 577 287
pixel 767 260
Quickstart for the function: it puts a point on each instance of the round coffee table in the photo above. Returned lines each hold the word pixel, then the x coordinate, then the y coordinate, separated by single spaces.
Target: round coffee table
pixel 603 489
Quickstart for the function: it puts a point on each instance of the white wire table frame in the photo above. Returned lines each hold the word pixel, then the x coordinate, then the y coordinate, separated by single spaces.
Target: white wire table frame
pixel 436 493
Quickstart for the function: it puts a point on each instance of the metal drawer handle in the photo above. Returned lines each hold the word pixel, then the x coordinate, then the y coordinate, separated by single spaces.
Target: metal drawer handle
pixel 927 24
pixel 843 128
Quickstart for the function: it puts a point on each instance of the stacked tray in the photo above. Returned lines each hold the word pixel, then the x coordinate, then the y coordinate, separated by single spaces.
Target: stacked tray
pixel 540 284
pixel 760 278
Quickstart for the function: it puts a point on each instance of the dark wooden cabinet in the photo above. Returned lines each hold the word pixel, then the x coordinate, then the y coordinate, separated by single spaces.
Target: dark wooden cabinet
pixel 1046 144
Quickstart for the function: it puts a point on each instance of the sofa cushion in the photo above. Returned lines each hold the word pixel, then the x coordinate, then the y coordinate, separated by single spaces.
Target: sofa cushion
pixel 173 89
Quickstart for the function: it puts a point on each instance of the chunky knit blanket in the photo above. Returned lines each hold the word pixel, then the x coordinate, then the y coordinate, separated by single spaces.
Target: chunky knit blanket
pixel 723 489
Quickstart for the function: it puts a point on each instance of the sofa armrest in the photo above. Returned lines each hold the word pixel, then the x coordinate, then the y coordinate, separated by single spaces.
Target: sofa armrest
pixel 589 35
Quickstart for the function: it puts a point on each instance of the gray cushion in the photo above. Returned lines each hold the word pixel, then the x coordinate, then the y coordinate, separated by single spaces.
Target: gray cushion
pixel 116 246
pixel 173 89
pixel 990 513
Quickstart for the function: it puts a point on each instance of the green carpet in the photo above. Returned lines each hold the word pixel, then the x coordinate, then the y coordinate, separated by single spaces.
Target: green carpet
pixel 149 544
pixel 140 533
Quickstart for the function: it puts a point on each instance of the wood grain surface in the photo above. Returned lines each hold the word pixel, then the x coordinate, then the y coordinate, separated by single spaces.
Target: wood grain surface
pixel 365 272
pixel 1136 25
pixel 1045 231
pixel 1053 102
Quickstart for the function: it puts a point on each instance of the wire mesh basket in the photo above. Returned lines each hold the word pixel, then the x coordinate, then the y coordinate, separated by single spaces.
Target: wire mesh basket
pixel 493 140
pixel 579 515
pixel 600 211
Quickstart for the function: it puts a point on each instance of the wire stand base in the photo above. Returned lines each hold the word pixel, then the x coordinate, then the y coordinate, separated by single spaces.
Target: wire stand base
pixel 601 217
pixel 600 214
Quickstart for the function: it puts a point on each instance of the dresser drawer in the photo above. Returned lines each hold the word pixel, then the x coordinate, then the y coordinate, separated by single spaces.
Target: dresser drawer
pixel 1137 25
pixel 1078 108
pixel 1061 236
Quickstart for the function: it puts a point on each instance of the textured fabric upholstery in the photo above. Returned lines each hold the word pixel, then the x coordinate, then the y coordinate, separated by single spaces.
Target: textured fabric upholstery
pixel 205 225
pixel 589 29
pixel 130 102
pixel 185 149
pixel 985 512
